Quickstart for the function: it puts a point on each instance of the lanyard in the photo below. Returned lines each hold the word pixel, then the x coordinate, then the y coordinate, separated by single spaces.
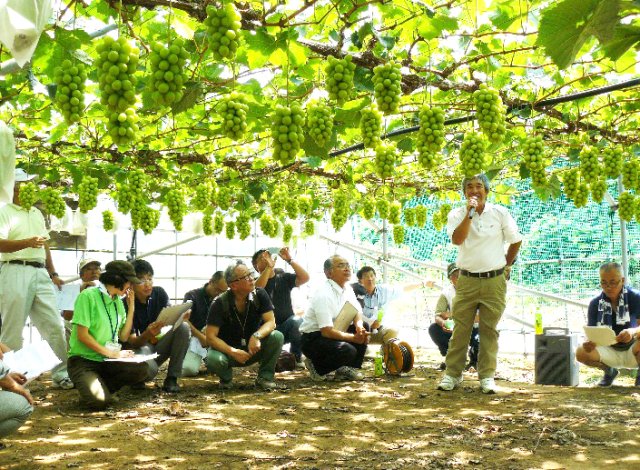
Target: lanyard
pixel 246 316
pixel 113 330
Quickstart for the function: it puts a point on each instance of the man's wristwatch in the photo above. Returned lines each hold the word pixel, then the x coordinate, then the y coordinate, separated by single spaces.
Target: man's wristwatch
pixel 257 336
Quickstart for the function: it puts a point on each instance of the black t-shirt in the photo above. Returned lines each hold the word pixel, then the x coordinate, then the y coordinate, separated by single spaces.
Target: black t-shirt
pixel 147 313
pixel 279 288
pixel 236 325
pixel 200 307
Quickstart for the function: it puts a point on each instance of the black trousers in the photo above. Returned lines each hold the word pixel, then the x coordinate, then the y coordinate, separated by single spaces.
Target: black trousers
pixel 328 355
pixel 441 339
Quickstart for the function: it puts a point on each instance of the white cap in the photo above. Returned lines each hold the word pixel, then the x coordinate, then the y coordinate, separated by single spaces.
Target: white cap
pixel 20 175
pixel 86 262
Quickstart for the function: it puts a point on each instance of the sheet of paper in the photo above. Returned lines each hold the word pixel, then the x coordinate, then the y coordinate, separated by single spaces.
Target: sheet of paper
pixel 66 297
pixel 345 317
pixel 601 335
pixel 135 358
pixel 32 360
pixel 170 315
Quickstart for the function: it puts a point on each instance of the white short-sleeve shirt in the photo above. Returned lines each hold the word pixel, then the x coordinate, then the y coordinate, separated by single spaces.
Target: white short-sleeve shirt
pixel 484 248
pixel 326 304
pixel 17 223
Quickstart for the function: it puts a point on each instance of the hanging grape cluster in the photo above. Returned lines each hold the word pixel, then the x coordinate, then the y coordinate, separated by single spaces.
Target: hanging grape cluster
pixel 305 205
pixel 319 122
pixel 490 113
pixel 233 111
pixel 533 159
pixel 176 206
pixel 145 218
pixel 398 234
pixel 439 218
pixel 368 208
pixel 70 79
pixel 28 195
pixel 218 223
pixel 223 198
pixel 207 222
pixel 108 221
pixel 116 65
pixel 612 158
pixel 53 202
pixel 230 230
pixel 309 228
pixel 269 225
pixel 287 132
pixel 371 126
pixel 278 200
pixel 243 226
pixel 382 205
pixel 395 209
pixel 202 196
pixel 386 159
pixel 589 165
pixel 339 73
pixel 472 154
pixel 581 196
pixel 626 206
pixel 430 136
pixel 571 182
pixel 421 215
pixel 409 216
pixel 287 233
pixel 340 209
pixel 87 194
pixel 223 30
pixel 167 71
pixel 598 189
pixel 631 173
pixel 386 86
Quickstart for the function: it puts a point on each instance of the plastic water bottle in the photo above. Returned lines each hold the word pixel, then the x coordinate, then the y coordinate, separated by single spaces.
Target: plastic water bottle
pixel 378 370
pixel 448 323
pixel 539 328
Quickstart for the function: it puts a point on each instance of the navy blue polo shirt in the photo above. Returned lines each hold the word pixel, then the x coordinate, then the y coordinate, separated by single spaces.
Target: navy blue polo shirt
pixel 147 313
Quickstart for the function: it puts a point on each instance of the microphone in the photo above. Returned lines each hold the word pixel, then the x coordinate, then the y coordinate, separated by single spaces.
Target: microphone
pixel 472 212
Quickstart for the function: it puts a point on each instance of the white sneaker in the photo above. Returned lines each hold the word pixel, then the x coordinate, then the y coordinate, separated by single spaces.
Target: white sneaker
pixel 312 371
pixel 64 384
pixel 348 373
pixel 488 385
pixel 448 383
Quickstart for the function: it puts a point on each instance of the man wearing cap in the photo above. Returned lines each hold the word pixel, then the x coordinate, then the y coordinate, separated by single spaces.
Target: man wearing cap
pixel 89 270
pixel 201 299
pixel 480 230
pixel 374 298
pixel 440 331
pixel 27 280
pixel 279 287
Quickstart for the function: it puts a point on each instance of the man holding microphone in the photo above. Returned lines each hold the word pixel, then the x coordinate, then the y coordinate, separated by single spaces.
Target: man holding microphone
pixel 481 230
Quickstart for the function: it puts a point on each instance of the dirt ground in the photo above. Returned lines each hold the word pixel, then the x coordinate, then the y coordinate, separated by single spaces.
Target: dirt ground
pixel 386 422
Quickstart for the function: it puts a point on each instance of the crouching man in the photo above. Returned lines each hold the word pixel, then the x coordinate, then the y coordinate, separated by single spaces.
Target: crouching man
pixel 241 330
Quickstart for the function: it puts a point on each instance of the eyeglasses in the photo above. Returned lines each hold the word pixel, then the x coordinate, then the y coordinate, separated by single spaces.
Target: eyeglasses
pixel 147 281
pixel 246 277
pixel 610 284
pixel 342 265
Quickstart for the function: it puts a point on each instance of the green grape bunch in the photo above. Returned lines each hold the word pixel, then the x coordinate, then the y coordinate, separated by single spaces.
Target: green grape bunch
pixel 305 205
pixel 571 182
pixel 598 189
pixel 268 225
pixel 108 221
pixel 582 195
pixel 371 127
pixel 167 71
pixel 88 194
pixel 28 194
pixel 339 73
pixel 125 197
pixel 398 234
pixel 472 154
pixel 440 217
pixel 395 210
pixel 590 168
pixel 291 206
pixel 421 215
pixel 490 113
pixel 368 209
pixel 218 223
pixel 223 31
pixel 430 136
pixel 278 200
pixel 341 206
pixel 202 196
pixel 319 122
pixel 409 216
pixel 207 222
pixel 309 227
pixel 70 78
pixel 243 226
pixel 287 233
pixel 612 159
pixel 230 230
pixel 53 202
pixel 176 207
pixel 224 198
pixel 145 218
pixel 233 111
pixel 386 160
pixel 626 206
pixel 382 205
pixel 287 132
pixel 116 66
pixel 533 153
pixel 631 173
pixel 387 82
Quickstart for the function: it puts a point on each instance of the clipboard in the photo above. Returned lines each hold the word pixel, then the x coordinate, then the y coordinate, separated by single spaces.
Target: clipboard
pixel 174 315
pixel 345 317
pixel 601 335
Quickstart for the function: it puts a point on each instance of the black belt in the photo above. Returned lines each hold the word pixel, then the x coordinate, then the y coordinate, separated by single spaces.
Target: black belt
pixel 487 275
pixel 35 264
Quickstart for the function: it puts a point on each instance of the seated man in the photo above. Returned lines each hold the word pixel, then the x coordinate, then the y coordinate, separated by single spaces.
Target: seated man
pixel 241 330
pixel 374 298
pixel 440 331
pixel 16 404
pixel 328 349
pixel 201 298
pixel 618 306
pixel 173 345
pixel 279 287
pixel 89 271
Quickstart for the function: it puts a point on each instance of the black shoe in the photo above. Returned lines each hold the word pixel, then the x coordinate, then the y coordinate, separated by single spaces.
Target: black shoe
pixel 170 385
pixel 609 375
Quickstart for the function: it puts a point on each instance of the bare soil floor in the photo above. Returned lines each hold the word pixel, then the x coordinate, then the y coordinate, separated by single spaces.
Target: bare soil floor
pixel 378 423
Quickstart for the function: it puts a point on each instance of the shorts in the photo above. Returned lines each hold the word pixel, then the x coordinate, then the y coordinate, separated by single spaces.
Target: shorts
pixel 616 358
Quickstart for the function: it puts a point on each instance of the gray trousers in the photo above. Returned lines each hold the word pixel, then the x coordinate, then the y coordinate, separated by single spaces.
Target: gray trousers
pixel 173 346
pixel 14 412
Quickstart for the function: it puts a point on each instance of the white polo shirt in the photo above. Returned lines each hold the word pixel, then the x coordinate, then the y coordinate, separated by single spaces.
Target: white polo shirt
pixel 17 223
pixel 484 248
pixel 326 304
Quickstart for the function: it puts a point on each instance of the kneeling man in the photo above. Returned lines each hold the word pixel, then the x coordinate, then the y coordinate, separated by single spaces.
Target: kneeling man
pixel 618 307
